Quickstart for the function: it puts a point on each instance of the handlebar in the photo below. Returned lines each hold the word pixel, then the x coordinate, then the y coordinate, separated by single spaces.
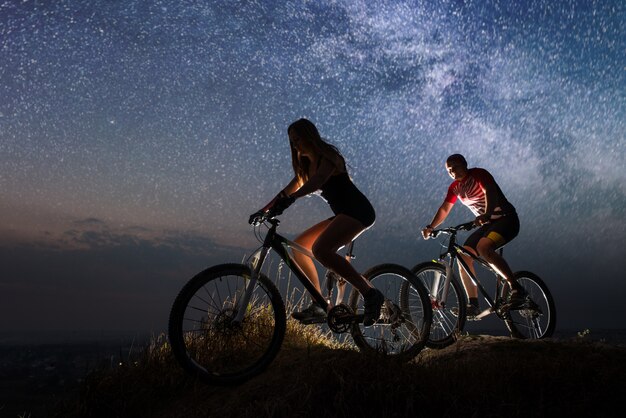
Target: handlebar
pixel 269 216
pixel 452 230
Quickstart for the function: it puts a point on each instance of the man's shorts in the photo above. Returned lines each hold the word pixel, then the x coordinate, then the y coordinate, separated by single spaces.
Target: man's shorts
pixel 500 231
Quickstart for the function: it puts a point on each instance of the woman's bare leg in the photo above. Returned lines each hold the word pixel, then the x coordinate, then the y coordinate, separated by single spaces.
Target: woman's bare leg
pixel 341 231
pixel 307 239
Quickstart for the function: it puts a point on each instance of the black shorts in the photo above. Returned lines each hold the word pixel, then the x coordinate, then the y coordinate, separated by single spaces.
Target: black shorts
pixel 354 204
pixel 364 214
pixel 345 199
pixel 500 231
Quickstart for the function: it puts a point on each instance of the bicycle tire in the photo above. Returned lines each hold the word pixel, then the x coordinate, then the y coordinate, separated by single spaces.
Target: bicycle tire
pixel 206 342
pixel 405 336
pixel 446 325
pixel 538 320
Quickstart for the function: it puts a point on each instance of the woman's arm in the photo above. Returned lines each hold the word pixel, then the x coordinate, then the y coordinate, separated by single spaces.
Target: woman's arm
pixel 286 191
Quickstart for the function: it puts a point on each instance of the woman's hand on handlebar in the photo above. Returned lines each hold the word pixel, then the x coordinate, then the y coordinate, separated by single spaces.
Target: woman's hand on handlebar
pixel 257 217
pixel 482 219
pixel 277 208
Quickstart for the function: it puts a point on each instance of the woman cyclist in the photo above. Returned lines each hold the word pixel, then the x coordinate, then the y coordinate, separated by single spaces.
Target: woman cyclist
pixel 318 165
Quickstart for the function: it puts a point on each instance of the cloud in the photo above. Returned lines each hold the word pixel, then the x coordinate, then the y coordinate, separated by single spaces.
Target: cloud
pixel 89 222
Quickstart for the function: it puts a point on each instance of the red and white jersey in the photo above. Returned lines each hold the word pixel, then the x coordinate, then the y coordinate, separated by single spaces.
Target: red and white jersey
pixel 472 192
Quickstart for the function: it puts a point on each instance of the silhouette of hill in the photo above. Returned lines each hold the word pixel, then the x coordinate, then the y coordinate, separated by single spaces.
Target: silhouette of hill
pixel 479 376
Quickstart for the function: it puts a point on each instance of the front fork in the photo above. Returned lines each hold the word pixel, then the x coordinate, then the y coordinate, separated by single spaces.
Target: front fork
pixel 440 300
pixel 256 263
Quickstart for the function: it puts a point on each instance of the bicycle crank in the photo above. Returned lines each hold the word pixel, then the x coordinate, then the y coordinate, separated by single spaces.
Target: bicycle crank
pixel 341 317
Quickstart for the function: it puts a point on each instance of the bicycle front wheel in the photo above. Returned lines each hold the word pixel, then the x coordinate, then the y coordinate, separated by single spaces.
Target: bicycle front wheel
pixel 206 340
pixel 537 317
pixel 402 329
pixel 448 314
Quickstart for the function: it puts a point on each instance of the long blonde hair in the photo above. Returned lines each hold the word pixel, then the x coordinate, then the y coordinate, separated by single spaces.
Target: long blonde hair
pixel 305 129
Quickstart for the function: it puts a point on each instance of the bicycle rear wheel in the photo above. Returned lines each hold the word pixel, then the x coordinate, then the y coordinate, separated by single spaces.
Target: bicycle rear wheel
pixel 537 318
pixel 208 343
pixel 402 329
pixel 448 315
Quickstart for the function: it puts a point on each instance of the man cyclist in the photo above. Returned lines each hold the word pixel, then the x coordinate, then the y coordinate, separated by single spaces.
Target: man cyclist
pixel 498 221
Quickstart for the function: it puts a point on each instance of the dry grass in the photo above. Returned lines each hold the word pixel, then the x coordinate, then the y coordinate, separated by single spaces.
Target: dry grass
pixel 314 375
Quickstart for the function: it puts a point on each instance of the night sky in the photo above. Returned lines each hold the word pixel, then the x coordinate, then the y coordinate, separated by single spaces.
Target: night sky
pixel 136 138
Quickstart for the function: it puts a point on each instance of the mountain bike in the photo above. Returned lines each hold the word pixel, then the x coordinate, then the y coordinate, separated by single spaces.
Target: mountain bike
pixel 228 322
pixel 535 319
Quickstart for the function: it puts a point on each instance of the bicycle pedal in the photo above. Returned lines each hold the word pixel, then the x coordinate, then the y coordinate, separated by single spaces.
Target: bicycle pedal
pixel 483 314
pixel 513 308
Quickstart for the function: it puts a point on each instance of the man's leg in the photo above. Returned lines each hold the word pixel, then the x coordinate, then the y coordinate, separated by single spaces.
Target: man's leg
pixel 487 250
pixel 470 288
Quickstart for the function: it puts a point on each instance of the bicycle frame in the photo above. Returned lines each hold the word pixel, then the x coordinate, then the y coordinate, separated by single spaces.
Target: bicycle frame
pixel 453 252
pixel 274 241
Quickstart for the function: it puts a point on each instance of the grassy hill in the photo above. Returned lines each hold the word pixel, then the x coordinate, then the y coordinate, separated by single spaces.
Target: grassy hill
pixel 479 376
